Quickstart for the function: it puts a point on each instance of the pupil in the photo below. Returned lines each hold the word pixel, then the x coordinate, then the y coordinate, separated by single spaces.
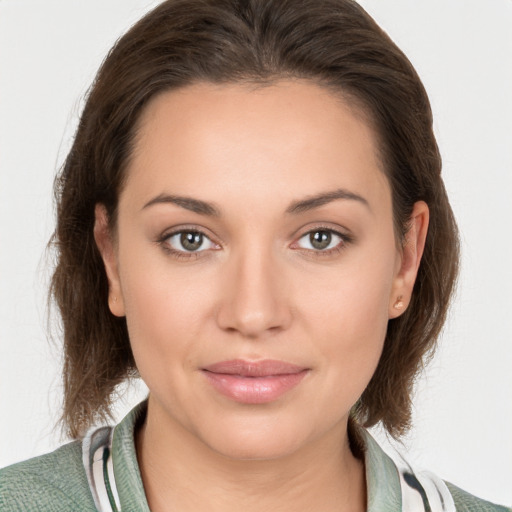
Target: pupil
pixel 191 241
pixel 320 239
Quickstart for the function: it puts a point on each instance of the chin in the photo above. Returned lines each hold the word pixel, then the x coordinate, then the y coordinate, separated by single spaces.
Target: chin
pixel 261 440
pixel 254 449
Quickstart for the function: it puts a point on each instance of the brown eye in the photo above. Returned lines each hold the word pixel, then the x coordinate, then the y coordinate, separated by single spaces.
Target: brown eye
pixel 320 240
pixel 190 241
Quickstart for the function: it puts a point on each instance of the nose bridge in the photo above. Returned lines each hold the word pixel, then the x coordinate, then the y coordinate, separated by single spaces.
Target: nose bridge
pixel 253 300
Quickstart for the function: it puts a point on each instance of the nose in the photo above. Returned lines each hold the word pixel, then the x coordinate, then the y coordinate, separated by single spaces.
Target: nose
pixel 254 302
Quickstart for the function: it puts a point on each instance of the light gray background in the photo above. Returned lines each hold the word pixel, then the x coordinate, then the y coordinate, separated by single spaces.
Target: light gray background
pixel 462 49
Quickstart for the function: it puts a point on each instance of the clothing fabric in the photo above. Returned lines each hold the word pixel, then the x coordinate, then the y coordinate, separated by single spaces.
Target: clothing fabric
pixel 58 481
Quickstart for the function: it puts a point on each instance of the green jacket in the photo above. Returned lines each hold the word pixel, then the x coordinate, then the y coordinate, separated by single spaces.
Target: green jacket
pixel 58 482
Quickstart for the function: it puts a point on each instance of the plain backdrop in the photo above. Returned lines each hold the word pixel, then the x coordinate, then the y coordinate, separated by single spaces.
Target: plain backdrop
pixel 462 49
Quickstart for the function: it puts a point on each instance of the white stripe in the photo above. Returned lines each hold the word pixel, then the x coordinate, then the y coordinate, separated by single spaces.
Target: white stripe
pixel 93 448
pixel 439 496
pixel 110 472
pixel 411 498
pixel 103 504
pixel 437 493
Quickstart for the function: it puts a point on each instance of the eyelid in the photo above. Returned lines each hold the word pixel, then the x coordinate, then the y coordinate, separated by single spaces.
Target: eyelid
pixel 163 241
pixel 193 228
pixel 345 237
pixel 178 235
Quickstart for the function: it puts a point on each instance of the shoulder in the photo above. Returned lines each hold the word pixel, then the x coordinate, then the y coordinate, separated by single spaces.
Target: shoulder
pixel 52 482
pixel 391 480
pixel 465 502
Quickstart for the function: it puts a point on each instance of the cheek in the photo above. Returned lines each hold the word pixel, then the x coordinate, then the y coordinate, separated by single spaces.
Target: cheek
pixel 353 299
pixel 349 318
pixel 161 312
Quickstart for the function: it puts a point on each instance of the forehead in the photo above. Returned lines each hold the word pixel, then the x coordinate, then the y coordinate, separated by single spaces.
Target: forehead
pixel 236 138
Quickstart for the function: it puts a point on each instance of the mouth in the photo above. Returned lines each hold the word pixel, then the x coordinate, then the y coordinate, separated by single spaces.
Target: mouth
pixel 252 382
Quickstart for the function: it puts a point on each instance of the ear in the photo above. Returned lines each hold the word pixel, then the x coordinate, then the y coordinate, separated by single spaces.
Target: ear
pixel 409 261
pixel 106 246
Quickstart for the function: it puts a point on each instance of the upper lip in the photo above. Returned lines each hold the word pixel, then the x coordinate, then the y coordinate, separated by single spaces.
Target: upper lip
pixel 264 368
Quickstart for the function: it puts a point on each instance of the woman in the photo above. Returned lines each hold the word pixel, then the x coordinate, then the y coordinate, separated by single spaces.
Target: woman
pixel 251 218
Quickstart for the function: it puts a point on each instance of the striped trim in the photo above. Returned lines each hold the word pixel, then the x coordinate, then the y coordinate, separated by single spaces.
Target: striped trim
pixel 99 468
pixel 423 491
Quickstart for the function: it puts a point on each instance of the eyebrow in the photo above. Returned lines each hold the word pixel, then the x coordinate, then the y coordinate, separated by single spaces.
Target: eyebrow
pixel 194 205
pixel 324 198
pixel 304 205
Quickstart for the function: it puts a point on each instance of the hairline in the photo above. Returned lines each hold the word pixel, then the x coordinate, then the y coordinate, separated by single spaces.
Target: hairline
pixel 350 100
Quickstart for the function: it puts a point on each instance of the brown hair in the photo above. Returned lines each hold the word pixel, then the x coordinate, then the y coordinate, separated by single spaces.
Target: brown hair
pixel 334 43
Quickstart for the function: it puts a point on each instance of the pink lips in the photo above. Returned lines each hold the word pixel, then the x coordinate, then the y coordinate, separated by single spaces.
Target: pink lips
pixel 254 382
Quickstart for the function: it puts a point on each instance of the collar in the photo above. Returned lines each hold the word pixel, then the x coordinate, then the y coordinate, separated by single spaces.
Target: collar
pixel 382 477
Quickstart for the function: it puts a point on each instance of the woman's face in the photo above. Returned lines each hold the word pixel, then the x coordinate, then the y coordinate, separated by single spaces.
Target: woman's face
pixel 256 263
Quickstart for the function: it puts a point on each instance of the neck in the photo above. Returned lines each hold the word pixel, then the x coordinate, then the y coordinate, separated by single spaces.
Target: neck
pixel 180 472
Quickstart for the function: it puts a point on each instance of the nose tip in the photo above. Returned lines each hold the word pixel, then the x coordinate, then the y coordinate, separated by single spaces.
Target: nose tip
pixel 254 302
pixel 253 323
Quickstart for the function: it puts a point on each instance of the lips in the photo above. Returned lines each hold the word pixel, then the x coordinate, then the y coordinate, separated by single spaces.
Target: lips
pixel 254 382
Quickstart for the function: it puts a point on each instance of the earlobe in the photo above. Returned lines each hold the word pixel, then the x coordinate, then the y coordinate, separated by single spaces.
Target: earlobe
pixel 106 247
pixel 412 253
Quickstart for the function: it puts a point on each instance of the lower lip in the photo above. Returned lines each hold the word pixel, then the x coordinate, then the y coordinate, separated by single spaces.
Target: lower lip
pixel 254 390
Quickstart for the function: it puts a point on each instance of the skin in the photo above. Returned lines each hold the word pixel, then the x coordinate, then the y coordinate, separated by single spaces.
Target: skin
pixel 256 289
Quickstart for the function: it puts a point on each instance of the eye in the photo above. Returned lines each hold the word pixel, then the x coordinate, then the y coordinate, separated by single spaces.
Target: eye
pixel 320 240
pixel 189 241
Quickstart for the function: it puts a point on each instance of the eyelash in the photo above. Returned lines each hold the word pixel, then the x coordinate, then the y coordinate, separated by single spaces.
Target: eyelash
pixel 345 240
pixel 163 241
